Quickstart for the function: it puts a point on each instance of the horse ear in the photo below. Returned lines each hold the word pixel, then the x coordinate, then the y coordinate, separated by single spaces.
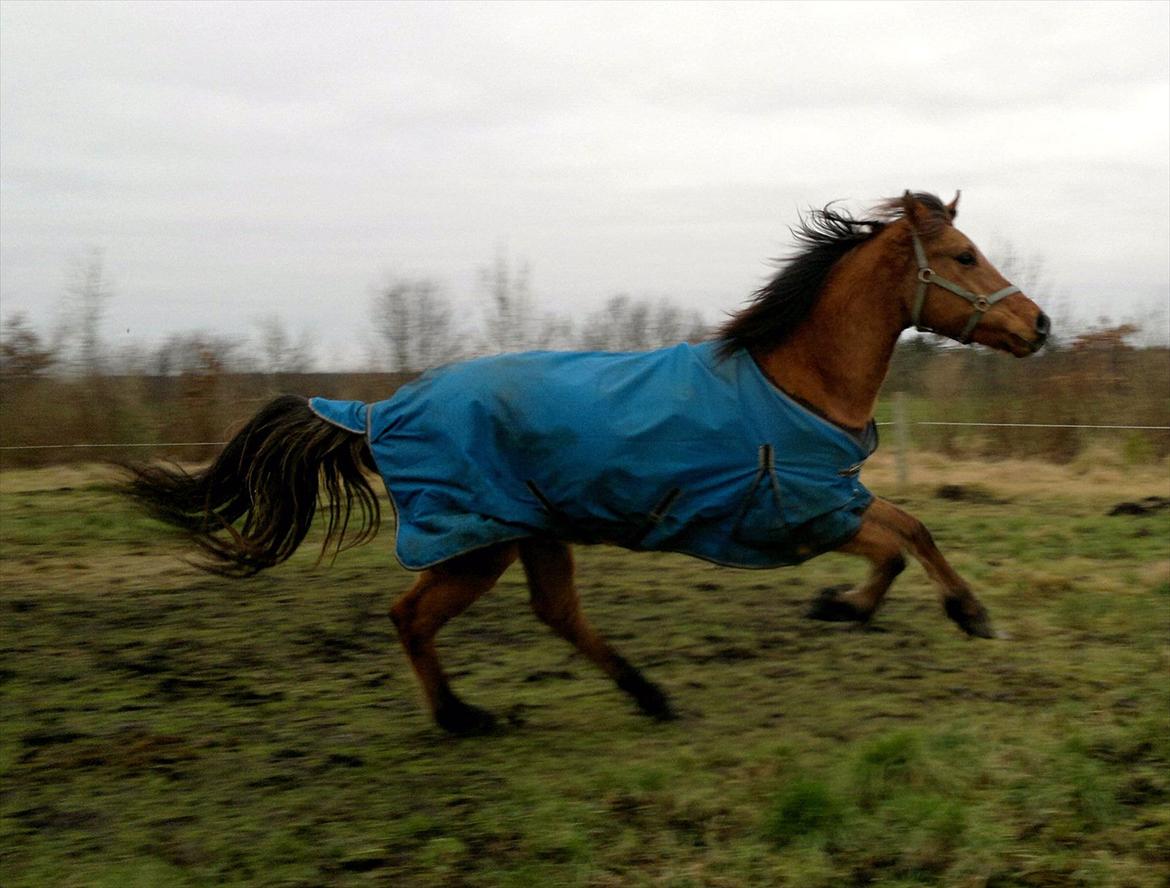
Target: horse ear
pixel 920 217
pixel 953 207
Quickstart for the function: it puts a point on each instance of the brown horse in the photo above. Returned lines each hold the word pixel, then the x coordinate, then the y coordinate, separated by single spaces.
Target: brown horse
pixel 822 331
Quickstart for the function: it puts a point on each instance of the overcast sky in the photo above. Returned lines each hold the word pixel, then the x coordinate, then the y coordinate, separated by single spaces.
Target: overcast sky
pixel 232 161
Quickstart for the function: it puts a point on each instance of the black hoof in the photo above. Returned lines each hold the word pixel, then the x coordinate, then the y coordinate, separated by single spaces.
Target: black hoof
pixel 649 697
pixel 654 703
pixel 831 608
pixel 464 720
pixel 972 618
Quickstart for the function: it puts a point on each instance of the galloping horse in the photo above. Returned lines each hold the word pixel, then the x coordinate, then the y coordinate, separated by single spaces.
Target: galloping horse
pixel 744 450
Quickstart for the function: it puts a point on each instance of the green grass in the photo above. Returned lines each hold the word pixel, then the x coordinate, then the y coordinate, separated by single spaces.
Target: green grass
pixel 163 727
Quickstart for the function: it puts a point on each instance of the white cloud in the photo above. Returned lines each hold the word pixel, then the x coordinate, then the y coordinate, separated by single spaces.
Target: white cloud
pixel 250 159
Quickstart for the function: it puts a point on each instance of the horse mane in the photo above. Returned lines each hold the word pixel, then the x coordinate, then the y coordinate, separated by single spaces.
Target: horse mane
pixel 823 237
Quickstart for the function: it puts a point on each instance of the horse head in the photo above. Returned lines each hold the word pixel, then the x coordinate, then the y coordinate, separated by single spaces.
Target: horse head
pixel 956 292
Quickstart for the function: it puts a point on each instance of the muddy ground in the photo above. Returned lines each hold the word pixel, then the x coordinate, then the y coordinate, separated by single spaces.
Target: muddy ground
pixel 165 727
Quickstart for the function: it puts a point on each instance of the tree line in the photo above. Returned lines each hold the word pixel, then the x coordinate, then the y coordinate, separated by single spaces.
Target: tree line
pixel 415 324
pixel 68 386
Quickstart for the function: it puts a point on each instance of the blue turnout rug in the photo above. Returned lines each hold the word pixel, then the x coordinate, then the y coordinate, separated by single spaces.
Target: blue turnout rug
pixel 673 450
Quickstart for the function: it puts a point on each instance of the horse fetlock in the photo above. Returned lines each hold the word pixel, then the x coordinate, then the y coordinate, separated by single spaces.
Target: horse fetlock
pixel 970 615
pixel 833 605
pixel 895 565
pixel 463 719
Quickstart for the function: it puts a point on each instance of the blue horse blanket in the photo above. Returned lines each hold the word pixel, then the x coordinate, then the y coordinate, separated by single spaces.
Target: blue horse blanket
pixel 674 450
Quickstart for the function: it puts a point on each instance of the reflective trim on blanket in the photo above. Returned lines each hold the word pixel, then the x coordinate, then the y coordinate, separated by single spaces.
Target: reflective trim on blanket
pixel 349 415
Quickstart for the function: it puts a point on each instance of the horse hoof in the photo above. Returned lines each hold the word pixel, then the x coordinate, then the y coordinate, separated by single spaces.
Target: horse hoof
pixel 649 697
pixel 831 608
pixel 980 628
pixel 976 623
pixel 465 720
pixel 652 701
pixel 656 704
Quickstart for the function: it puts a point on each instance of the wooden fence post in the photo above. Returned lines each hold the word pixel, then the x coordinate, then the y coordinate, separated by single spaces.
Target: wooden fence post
pixel 901 442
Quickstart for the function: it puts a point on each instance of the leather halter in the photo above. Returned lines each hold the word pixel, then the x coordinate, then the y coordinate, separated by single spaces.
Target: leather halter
pixel 927 276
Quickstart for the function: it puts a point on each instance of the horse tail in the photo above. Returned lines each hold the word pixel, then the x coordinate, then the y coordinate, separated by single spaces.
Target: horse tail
pixel 252 507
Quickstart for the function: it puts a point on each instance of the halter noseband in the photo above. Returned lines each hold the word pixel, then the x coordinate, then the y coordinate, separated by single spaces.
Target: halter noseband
pixel 926 277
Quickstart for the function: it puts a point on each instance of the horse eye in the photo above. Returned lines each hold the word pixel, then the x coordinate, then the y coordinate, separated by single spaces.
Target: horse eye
pixel 965 258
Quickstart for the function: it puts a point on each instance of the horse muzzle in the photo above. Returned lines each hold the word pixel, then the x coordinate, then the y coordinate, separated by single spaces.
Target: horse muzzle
pixel 1023 345
pixel 1043 327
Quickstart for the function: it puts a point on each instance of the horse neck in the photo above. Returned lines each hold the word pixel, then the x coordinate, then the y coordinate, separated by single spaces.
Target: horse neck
pixel 838 357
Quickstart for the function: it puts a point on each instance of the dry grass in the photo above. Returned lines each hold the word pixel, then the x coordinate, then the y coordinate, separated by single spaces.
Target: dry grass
pixel 1101 472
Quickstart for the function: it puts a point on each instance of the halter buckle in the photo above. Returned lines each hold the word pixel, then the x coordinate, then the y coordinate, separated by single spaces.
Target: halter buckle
pixel 925 274
pixel 981 303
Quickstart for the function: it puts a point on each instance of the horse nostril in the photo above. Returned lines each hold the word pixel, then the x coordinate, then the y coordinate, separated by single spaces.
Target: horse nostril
pixel 1043 325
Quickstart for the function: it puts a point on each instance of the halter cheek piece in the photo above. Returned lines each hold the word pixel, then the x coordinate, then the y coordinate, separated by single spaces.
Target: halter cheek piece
pixel 926 277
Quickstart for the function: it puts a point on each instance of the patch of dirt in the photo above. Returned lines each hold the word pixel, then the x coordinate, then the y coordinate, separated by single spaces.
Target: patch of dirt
pixel 1150 505
pixel 128 750
pixel 49 817
pixel 1142 790
pixel 39 739
pixel 968 493
pixel 546 674
pixel 363 863
pixel 730 654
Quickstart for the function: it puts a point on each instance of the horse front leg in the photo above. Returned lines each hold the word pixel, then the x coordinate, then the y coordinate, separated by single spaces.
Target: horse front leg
pixel 959 602
pixel 548 564
pixel 440 593
pixel 886 532
pixel 882 548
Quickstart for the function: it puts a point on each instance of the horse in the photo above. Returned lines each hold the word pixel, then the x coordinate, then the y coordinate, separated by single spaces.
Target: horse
pixel 744 450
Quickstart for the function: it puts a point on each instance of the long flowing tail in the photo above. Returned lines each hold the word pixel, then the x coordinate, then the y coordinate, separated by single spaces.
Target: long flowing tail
pixel 252 507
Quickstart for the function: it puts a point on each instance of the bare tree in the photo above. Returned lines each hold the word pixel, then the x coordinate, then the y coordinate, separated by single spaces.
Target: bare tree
pixel 415 324
pixel 279 352
pixel 628 324
pixel 669 323
pixel 78 335
pixel 551 331
pixel 197 354
pixel 509 310
pixel 22 354
pixel 1028 272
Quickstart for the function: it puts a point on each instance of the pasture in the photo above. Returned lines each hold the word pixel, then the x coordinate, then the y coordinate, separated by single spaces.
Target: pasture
pixel 166 727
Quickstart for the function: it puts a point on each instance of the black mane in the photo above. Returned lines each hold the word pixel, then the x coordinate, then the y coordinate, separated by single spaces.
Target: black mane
pixel 823 237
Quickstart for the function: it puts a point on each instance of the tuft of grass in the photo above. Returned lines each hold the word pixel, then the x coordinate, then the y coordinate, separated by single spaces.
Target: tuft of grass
pixel 887 762
pixel 805 808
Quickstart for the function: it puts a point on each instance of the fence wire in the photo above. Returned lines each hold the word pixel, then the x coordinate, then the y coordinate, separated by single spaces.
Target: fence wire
pixel 986 425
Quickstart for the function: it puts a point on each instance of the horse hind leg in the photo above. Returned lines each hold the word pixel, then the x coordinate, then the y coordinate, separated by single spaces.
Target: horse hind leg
pixel 439 594
pixel 548 565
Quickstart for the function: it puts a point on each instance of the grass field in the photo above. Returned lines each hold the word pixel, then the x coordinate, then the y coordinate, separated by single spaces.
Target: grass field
pixel 162 727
